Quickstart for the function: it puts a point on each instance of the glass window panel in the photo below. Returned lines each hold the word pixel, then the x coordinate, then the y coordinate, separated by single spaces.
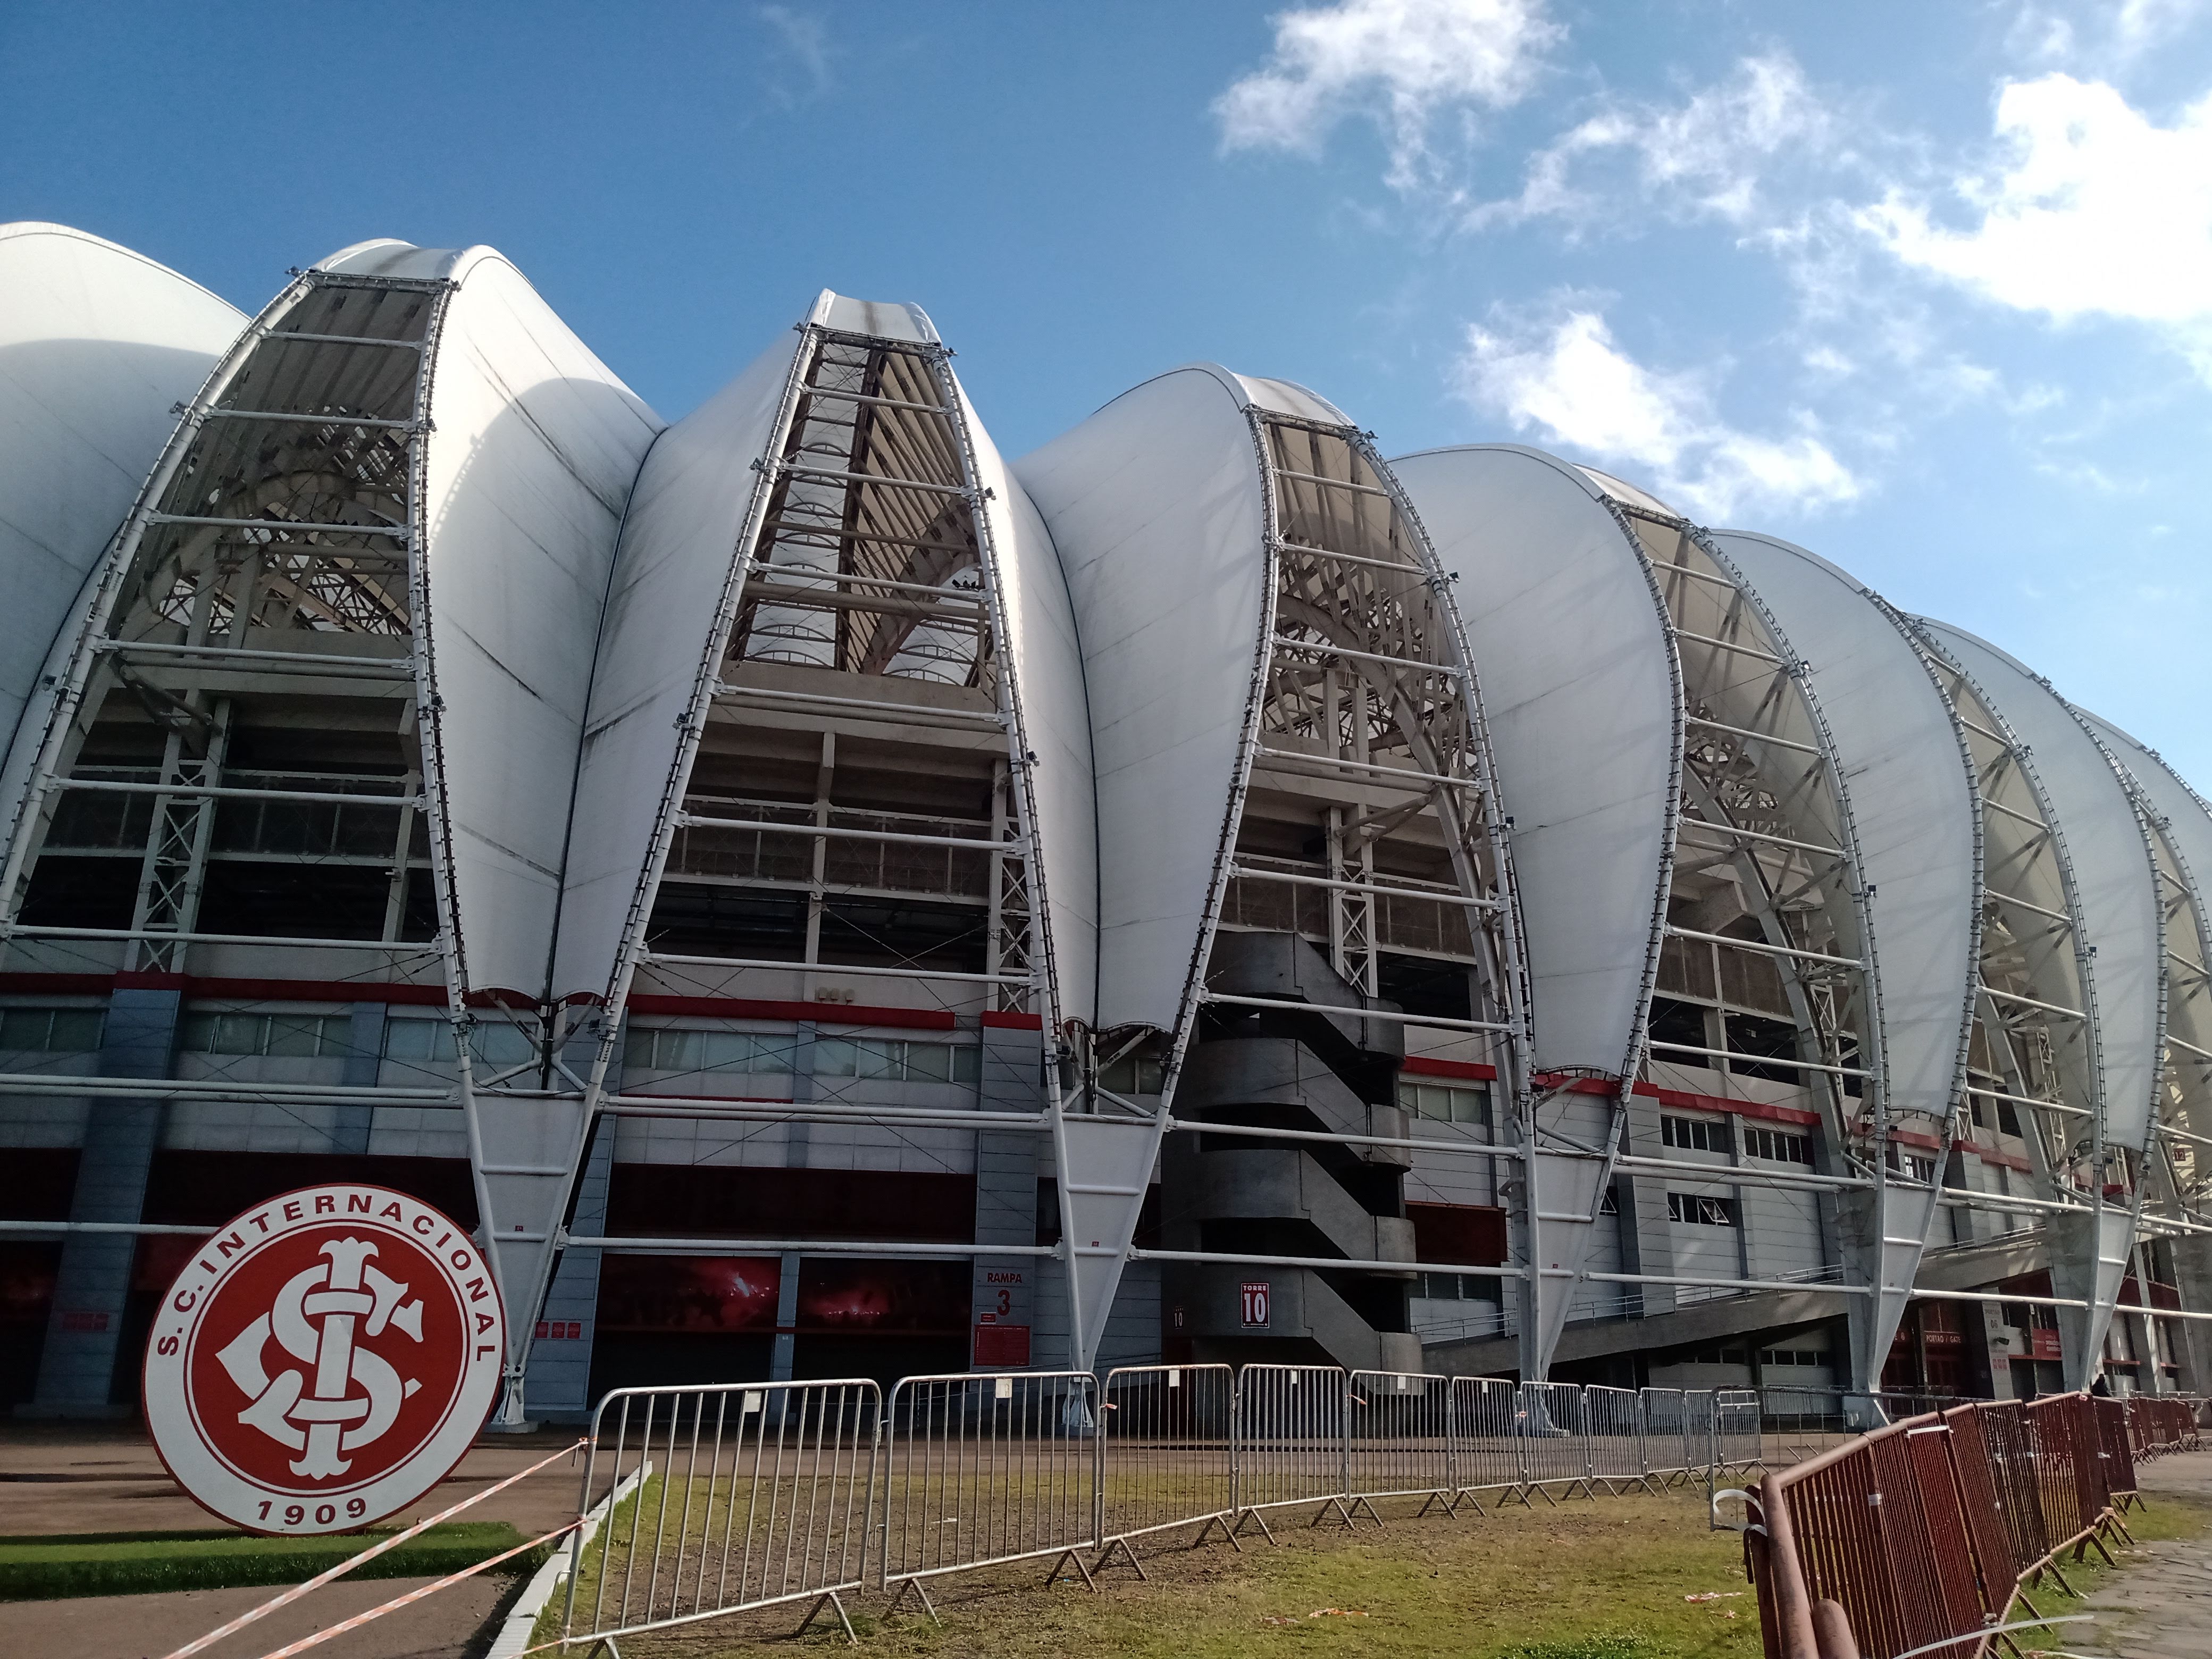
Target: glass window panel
pixel 415 1039
pixel 836 1057
pixel 928 1062
pixel 968 1066
pixel 501 1045
pixel 295 1035
pixel 880 1060
pixel 725 1051
pixel 777 1053
pixel 238 1034
pixel 24 1027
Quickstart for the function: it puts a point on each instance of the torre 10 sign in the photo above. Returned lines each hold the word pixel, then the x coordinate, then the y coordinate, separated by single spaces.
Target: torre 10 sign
pixel 809 896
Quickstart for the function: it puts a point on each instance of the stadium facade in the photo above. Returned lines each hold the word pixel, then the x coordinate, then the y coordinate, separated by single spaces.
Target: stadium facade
pixel 821 900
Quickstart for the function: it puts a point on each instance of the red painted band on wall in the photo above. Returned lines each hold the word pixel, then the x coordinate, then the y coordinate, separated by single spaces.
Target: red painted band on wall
pixel 818 1014
pixel 240 990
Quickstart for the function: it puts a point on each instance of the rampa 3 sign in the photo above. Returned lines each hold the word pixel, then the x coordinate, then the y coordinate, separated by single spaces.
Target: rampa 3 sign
pixel 324 1361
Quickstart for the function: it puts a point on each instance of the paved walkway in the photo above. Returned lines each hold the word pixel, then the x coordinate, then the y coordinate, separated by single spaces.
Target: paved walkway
pixel 438 1626
pixel 86 1477
pixel 93 1478
pixel 2160 1607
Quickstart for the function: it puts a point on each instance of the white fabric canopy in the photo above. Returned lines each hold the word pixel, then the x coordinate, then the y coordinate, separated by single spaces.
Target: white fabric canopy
pixel 535 446
pixel 1157 506
pixel 1582 697
pixel 665 618
pixel 2115 886
pixel 1580 691
pixel 1914 811
pixel 97 345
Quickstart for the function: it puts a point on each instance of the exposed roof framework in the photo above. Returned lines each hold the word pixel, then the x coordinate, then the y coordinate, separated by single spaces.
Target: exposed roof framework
pixel 1353 731
pixel 268 760
pixel 877 596
pixel 862 704
pixel 1917 826
pixel 97 346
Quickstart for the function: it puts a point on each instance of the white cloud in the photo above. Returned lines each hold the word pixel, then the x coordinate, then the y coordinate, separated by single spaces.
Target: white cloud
pixel 1703 156
pixel 1401 62
pixel 802 39
pixel 2097 212
pixel 1570 383
pixel 2106 33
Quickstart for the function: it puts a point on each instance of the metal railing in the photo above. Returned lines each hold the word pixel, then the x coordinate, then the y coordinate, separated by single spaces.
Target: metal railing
pixel 2157 1425
pixel 1288 1442
pixel 1487 1446
pixel 722 1499
pixel 1554 1444
pixel 1399 1441
pixel 1798 1424
pixel 983 1469
pixel 1926 1535
pixel 1613 1423
pixel 1738 1437
pixel 1678 1433
pixel 1166 1458
pixel 728 1496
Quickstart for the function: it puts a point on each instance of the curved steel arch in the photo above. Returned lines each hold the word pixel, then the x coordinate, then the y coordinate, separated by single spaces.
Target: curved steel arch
pixel 1188 511
pixel 2109 855
pixel 1919 814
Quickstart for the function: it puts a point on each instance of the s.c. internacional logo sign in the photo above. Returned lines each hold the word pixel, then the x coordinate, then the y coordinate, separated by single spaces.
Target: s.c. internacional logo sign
pixel 325 1360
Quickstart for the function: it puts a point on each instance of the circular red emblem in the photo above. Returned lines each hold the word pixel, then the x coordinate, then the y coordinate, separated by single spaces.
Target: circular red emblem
pixel 325 1360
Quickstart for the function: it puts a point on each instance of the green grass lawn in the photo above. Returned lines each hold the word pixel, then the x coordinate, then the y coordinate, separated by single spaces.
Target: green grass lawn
pixel 1605 1580
pixel 35 1569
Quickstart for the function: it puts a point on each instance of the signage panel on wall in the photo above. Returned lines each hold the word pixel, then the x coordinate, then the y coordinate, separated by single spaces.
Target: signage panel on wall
pixel 1256 1297
pixel 324 1360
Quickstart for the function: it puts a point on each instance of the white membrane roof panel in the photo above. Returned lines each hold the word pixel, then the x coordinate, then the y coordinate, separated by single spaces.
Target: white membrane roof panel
pixel 1283 397
pixel 2114 885
pixel 1047 660
pixel 1579 691
pixel 1912 808
pixel 2188 822
pixel 1623 491
pixel 97 345
pixel 679 544
pixel 878 319
pixel 1156 507
pixel 530 466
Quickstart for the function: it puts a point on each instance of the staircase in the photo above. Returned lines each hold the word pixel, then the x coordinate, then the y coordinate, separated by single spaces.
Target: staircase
pixel 1319 1067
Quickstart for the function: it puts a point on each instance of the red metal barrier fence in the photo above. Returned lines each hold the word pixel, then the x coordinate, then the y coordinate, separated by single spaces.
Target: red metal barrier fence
pixel 1924 1535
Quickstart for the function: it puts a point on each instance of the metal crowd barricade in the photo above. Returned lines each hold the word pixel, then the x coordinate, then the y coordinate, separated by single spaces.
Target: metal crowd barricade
pixel 986 1467
pixel 1487 1444
pixel 1165 1458
pixel 1554 1446
pixel 1921 1536
pixel 1670 1452
pixel 1735 1438
pixel 752 1494
pixel 1613 1425
pixel 1398 1440
pixel 2158 1425
pixel 1290 1447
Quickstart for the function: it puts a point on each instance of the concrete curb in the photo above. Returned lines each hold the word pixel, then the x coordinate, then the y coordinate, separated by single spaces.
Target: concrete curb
pixel 513 1639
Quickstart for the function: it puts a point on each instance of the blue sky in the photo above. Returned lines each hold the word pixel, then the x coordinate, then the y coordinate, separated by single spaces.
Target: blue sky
pixel 1926 288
